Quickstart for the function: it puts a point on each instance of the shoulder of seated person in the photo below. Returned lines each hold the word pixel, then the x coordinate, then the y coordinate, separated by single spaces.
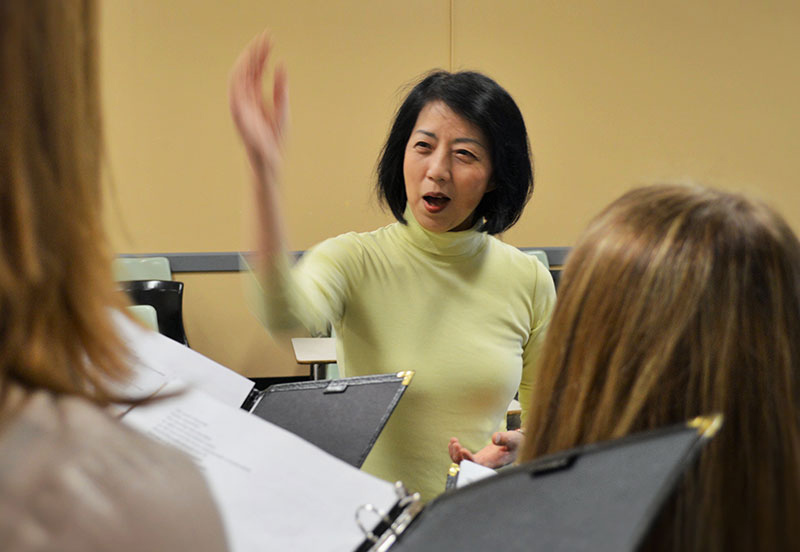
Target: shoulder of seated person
pixel 75 474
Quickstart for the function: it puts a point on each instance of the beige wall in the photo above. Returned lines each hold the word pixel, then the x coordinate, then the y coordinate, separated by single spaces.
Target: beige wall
pixel 615 94
pixel 620 93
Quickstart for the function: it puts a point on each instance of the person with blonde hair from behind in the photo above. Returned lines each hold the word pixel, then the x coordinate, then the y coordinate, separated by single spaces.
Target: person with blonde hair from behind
pixel 71 476
pixel 680 301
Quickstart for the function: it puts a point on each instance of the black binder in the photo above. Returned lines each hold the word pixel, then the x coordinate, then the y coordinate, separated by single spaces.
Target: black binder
pixel 342 417
pixel 601 497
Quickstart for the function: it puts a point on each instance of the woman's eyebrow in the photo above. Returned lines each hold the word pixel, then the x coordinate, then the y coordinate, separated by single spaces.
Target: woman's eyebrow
pixel 456 141
pixel 469 140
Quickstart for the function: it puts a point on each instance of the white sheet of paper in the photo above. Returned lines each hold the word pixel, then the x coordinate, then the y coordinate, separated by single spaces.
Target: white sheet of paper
pixel 470 472
pixel 274 490
pixel 159 359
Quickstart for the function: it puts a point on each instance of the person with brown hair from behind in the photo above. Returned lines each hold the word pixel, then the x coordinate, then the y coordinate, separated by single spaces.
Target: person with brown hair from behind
pixel 72 477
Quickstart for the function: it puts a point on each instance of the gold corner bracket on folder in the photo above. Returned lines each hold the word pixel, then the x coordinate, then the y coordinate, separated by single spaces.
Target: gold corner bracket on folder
pixel 407 376
pixel 454 469
pixel 707 426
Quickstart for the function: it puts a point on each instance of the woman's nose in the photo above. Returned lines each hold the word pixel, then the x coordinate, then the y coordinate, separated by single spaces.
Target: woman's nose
pixel 439 167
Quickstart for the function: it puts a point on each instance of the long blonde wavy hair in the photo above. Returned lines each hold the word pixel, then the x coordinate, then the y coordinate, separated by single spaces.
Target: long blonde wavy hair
pixel 56 288
pixel 680 301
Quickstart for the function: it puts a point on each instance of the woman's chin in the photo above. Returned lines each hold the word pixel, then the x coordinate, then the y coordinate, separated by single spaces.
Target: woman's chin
pixel 440 222
pixel 433 223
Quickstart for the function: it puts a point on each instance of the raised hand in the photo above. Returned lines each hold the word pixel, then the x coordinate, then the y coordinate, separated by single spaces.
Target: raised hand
pixel 262 127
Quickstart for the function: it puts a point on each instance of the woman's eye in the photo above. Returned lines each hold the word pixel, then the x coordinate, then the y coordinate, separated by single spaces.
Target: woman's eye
pixel 422 145
pixel 466 154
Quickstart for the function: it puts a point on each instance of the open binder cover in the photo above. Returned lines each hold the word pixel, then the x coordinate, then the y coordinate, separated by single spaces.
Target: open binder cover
pixel 600 497
pixel 342 417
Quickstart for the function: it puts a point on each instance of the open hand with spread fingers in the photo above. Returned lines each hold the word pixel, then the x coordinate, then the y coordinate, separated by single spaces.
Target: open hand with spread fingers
pixel 261 127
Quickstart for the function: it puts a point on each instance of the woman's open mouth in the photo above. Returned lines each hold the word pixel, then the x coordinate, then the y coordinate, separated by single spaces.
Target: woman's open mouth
pixel 435 202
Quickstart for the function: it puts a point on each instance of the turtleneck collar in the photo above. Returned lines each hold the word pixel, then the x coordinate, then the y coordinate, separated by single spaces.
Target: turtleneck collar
pixel 445 244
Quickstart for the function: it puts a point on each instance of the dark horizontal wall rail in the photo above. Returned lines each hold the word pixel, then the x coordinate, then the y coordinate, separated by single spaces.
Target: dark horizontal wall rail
pixel 228 261
pixel 223 261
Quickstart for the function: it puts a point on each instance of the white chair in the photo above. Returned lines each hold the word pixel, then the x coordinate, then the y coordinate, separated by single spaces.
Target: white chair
pixel 141 268
pixel 539 254
pixel 146 314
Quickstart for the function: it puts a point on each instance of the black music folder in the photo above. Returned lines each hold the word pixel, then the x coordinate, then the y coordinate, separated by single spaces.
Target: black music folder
pixel 342 417
pixel 601 497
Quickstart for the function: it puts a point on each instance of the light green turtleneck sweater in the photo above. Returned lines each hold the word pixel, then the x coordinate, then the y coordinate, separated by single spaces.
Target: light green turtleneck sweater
pixel 464 310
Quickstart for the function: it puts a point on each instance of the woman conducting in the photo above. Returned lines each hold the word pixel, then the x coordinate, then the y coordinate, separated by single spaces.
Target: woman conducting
pixel 72 477
pixel 434 292
pixel 679 302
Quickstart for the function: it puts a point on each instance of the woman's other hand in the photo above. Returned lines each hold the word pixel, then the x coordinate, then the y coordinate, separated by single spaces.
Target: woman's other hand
pixel 262 127
pixel 502 451
pixel 457 452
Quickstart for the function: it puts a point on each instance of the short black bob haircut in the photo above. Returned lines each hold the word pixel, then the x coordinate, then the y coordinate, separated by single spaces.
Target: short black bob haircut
pixel 485 104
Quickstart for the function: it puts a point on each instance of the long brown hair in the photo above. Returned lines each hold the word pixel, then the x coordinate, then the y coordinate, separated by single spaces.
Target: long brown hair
pixel 56 288
pixel 680 301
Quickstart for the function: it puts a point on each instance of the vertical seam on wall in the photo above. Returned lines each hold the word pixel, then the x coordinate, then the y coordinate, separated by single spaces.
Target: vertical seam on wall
pixel 452 45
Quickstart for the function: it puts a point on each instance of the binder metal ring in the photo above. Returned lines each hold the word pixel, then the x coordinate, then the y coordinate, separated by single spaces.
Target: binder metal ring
pixel 381 514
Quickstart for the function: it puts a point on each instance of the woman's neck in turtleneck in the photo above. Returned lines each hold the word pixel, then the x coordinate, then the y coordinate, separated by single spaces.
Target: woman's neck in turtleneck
pixel 445 244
